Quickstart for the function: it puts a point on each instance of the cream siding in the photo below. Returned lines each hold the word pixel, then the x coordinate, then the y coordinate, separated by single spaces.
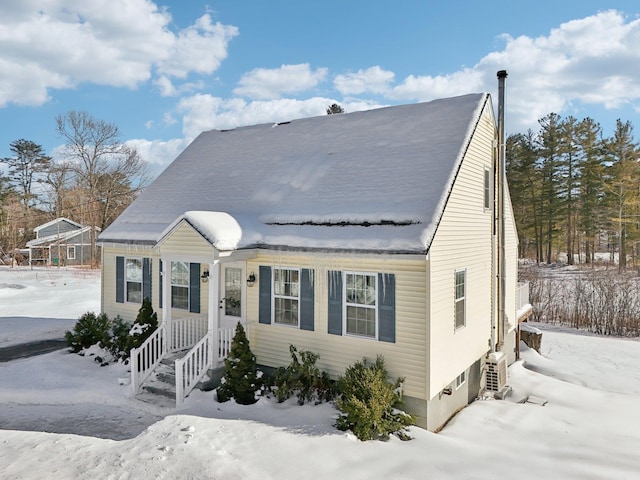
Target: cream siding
pixel 184 241
pixel 404 358
pixel 463 240
pixel 183 244
pixel 127 311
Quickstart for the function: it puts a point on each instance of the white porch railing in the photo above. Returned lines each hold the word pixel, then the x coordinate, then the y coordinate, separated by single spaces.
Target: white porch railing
pixel 186 332
pixel 522 295
pixel 225 336
pixel 146 358
pixel 192 367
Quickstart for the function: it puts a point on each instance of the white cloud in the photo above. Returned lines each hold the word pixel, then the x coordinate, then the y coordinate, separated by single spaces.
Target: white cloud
pixel 198 48
pixel 55 44
pixel 594 60
pixel 372 80
pixel 158 153
pixel 265 83
pixel 204 112
pixel 424 88
pixel 165 85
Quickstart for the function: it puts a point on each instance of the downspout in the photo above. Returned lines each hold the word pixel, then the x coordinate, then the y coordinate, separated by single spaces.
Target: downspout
pixel 501 177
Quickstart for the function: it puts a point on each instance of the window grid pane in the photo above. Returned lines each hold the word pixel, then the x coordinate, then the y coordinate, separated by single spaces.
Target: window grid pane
pixel 233 292
pixel 180 297
pixel 360 296
pixel 133 274
pixel 286 293
pixel 180 285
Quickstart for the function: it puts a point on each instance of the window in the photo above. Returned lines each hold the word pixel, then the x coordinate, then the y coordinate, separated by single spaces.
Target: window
pixel 71 252
pixel 233 292
pixel 460 379
pixel 460 298
pixel 133 280
pixel 286 296
pixel 360 304
pixel 487 189
pixel 180 285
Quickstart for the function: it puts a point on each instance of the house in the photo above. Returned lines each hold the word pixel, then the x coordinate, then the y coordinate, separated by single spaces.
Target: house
pixel 61 242
pixel 352 235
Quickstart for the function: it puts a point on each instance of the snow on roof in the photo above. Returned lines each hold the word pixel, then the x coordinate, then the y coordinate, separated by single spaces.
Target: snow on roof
pixel 218 228
pixel 371 180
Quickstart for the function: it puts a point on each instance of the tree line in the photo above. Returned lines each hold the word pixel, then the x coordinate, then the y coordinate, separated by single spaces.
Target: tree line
pixel 91 180
pixel 575 192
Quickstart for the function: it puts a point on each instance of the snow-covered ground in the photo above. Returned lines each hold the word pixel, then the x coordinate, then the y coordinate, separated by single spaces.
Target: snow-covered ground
pixel 588 428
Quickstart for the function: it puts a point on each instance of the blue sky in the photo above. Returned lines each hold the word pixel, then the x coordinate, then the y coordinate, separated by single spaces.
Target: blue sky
pixel 163 71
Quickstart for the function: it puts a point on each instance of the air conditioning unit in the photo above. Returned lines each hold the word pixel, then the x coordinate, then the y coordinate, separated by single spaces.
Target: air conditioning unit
pixel 496 368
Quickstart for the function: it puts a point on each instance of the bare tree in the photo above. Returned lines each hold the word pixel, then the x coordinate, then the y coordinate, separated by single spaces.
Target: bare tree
pixel 108 172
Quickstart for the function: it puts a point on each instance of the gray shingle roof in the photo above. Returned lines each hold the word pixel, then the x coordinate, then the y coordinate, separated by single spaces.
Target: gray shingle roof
pixel 371 180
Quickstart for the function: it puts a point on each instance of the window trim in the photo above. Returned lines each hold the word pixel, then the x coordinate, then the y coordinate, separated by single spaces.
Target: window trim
pixel 286 297
pixel 71 248
pixel 346 304
pixel 127 281
pixel 461 379
pixel 187 286
pixel 462 299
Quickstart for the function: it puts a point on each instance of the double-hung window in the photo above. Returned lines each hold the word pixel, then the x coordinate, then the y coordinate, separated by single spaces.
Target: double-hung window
pixel 360 304
pixel 460 298
pixel 71 252
pixel 286 296
pixel 180 285
pixel 133 280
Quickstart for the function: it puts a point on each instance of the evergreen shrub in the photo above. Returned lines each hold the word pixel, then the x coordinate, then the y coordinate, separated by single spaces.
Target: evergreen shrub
pixel 88 330
pixel 241 377
pixel 119 341
pixel 368 402
pixel 304 378
pixel 145 324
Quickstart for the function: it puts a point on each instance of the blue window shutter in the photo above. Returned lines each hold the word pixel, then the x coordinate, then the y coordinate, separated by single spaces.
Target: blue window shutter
pixel 194 287
pixel 146 278
pixel 120 279
pixel 387 307
pixel 306 299
pixel 334 279
pixel 264 305
pixel 160 282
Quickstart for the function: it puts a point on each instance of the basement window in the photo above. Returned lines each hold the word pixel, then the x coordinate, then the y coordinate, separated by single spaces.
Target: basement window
pixel 461 379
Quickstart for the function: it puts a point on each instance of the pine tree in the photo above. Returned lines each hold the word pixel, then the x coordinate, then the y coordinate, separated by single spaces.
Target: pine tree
pixel 240 379
pixel 144 325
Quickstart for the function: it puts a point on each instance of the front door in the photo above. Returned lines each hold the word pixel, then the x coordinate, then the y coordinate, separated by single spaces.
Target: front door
pixel 232 294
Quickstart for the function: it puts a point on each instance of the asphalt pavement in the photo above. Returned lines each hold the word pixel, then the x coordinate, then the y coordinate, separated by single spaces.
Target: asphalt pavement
pixel 31 349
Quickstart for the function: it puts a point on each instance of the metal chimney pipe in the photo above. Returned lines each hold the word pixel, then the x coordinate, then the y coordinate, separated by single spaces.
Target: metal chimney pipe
pixel 501 185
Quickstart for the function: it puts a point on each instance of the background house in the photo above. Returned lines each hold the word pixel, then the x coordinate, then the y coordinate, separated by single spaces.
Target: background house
pixel 61 242
pixel 349 235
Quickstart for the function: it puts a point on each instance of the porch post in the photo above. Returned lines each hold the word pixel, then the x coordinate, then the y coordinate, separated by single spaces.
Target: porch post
pixel 214 309
pixel 166 298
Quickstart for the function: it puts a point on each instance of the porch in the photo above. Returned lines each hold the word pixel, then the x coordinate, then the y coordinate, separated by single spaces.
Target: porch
pixel 189 337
